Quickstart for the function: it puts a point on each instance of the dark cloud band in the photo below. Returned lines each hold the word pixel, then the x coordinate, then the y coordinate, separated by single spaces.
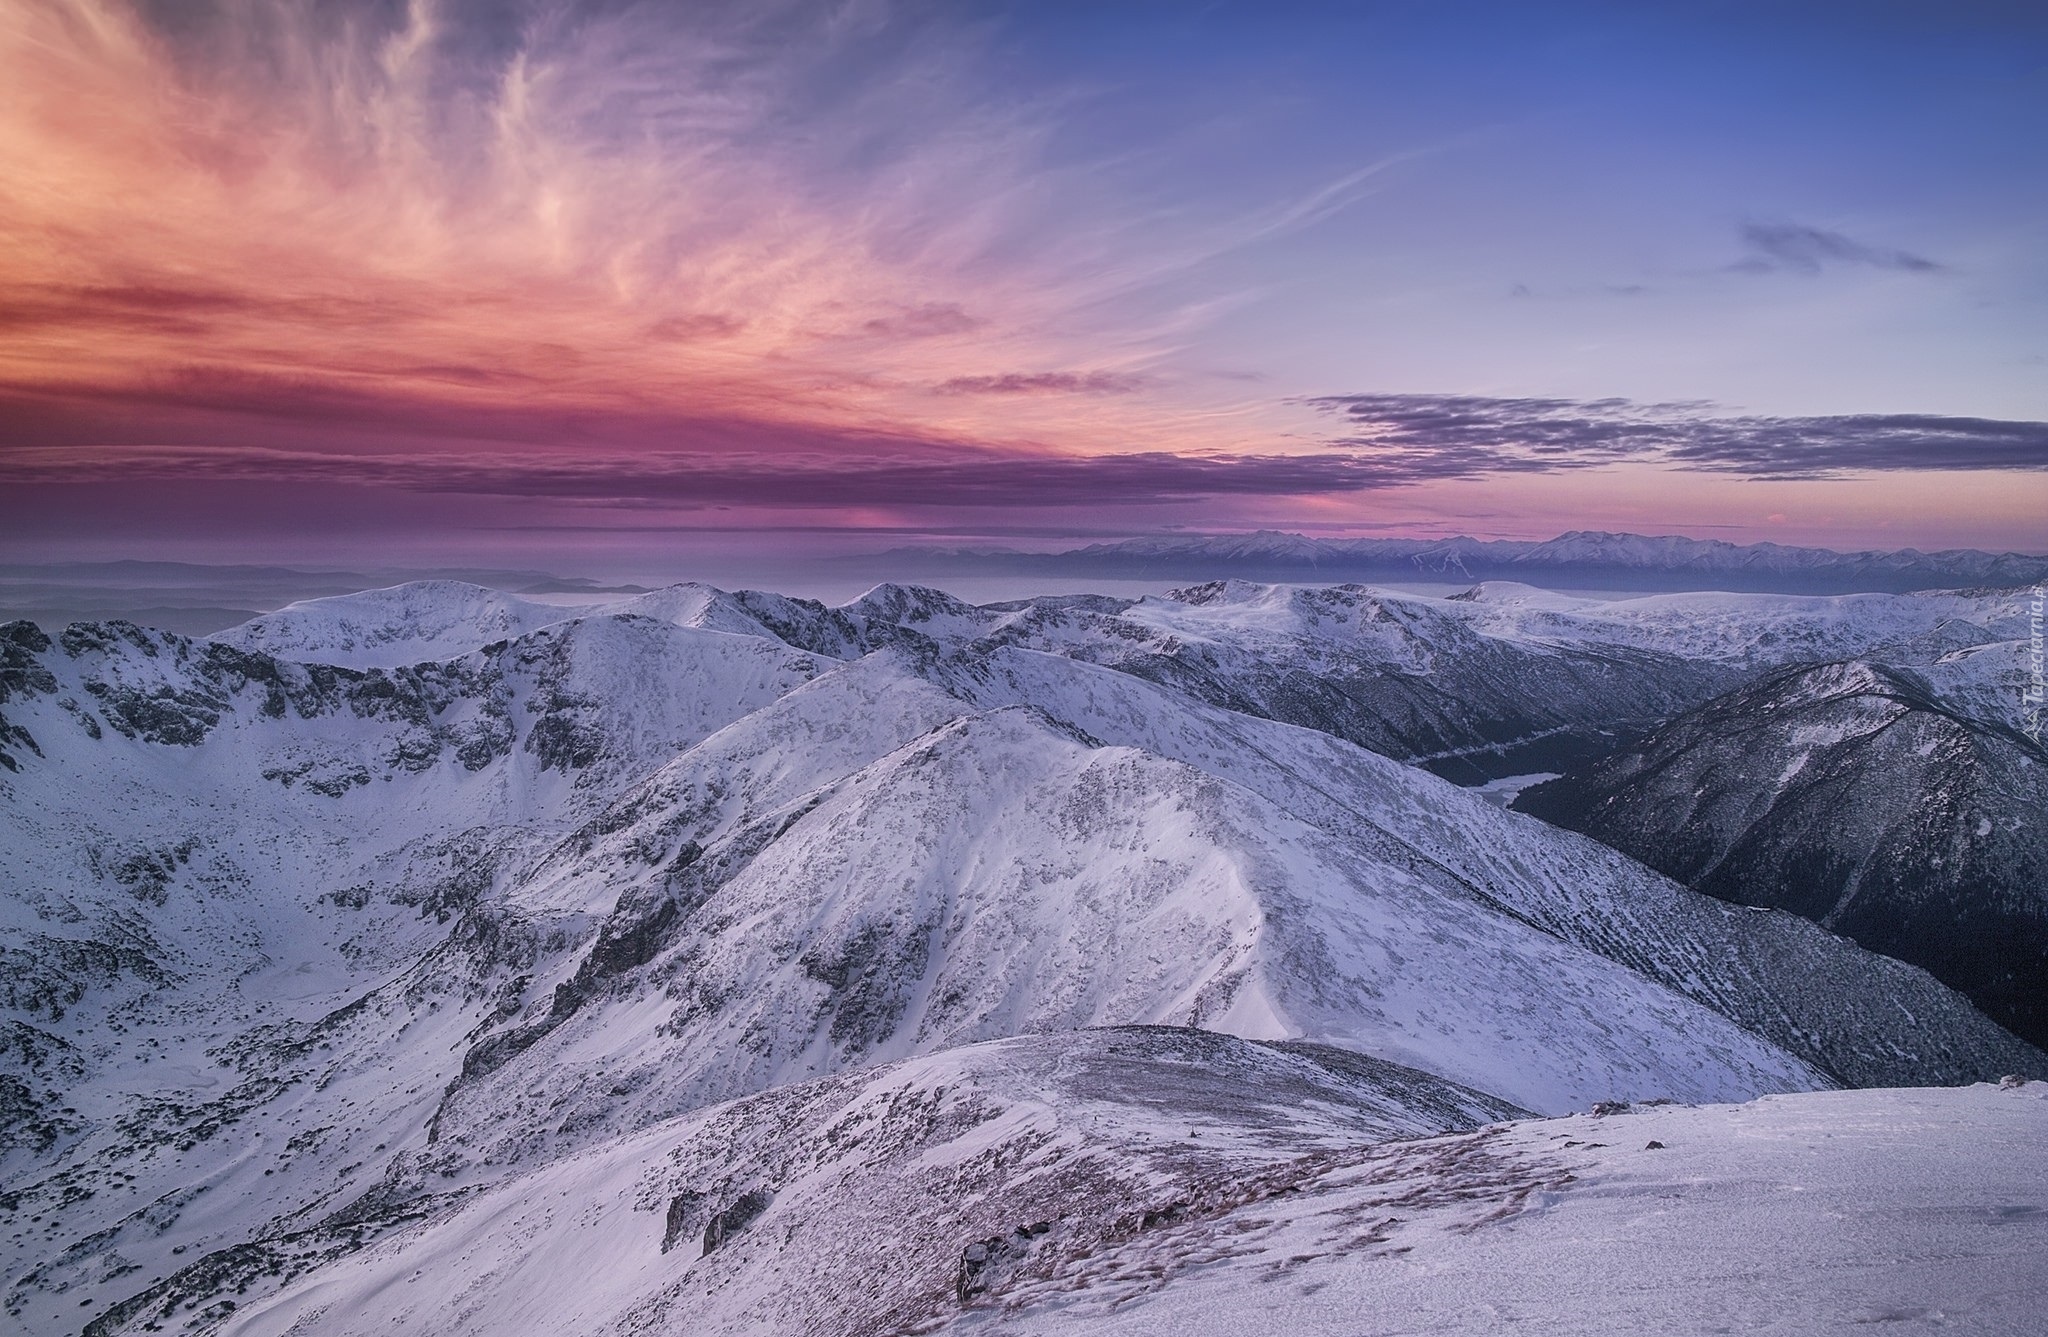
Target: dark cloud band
pixel 1462 436
pixel 1388 441
pixel 976 479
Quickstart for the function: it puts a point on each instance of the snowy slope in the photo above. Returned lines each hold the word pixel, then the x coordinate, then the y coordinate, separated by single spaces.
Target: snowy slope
pixel 403 624
pixel 1446 683
pixel 1796 986
pixel 1808 1216
pixel 1850 794
pixel 186 819
pixel 301 947
pixel 996 876
pixel 1987 683
pixel 1500 679
pixel 445 619
pixel 988 873
pixel 845 1202
pixel 1756 631
pixel 1155 1182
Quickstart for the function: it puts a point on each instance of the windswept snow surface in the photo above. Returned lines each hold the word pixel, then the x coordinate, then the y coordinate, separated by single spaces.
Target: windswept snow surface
pixel 1163 1184
pixel 303 957
pixel 1922 1211
pixel 857 1196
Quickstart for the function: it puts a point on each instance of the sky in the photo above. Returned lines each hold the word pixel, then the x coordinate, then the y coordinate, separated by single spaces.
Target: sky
pixel 603 285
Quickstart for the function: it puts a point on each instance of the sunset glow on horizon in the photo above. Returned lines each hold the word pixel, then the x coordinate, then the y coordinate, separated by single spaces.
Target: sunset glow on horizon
pixel 477 278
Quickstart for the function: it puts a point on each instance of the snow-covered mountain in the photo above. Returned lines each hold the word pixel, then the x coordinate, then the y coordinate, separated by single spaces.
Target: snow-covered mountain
pixel 1499 680
pixel 1849 793
pixel 443 619
pixel 1502 679
pixel 1149 1180
pixel 308 963
pixel 403 624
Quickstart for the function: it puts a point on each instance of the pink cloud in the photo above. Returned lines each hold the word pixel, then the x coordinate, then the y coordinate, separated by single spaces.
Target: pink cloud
pixel 637 219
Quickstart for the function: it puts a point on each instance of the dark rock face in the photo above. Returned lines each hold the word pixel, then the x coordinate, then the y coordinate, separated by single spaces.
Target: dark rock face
pixel 20 669
pixel 682 1209
pixel 987 1265
pixel 736 1216
pixel 1847 794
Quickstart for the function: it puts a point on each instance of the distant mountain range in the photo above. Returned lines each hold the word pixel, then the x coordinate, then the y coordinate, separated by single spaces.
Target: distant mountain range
pixel 196 598
pixel 1587 558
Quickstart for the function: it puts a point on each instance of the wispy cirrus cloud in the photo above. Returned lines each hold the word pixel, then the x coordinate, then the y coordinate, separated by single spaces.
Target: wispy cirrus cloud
pixel 1045 383
pixel 930 321
pixel 1795 248
pixel 801 214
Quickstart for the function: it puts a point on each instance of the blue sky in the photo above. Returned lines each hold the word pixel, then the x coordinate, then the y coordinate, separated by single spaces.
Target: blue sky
pixel 1568 186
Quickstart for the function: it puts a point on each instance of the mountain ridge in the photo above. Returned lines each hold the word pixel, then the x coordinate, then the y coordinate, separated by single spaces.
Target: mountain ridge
pixel 1849 794
pixel 302 958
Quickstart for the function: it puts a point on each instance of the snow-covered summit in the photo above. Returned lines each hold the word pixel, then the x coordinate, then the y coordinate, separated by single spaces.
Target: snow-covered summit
pixel 401 624
pixel 933 613
pixel 1514 594
pixel 689 604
